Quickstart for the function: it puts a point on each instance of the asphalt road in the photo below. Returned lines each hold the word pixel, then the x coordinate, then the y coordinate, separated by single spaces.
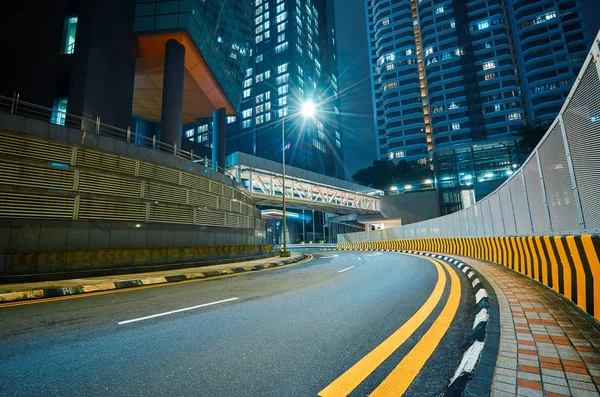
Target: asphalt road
pixel 291 332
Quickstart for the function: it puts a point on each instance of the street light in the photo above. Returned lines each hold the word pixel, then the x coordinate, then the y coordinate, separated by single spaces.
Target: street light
pixel 308 110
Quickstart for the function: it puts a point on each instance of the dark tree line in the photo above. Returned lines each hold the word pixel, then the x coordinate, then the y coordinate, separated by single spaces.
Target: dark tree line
pixel 385 173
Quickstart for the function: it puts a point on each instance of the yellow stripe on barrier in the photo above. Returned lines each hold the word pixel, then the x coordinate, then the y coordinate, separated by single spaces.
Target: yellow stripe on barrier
pixel 579 273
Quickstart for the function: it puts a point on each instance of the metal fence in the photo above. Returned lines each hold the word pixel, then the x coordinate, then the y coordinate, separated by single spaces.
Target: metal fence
pixel 556 191
pixel 94 126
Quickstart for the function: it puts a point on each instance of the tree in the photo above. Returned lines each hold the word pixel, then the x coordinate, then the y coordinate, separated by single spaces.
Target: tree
pixel 531 136
pixel 385 173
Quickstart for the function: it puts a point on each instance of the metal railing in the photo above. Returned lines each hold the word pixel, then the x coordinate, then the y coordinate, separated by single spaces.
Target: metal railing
pixel 556 191
pixel 95 126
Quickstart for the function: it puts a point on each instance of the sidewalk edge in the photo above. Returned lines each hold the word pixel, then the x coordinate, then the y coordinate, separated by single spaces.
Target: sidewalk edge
pixel 107 286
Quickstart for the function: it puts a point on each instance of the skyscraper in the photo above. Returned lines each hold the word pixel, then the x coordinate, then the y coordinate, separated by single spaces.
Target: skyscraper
pixel 293 61
pixel 454 80
pixel 551 43
pixel 470 70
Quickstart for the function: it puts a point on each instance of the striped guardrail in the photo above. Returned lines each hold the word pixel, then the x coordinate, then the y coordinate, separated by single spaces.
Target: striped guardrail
pixel 570 265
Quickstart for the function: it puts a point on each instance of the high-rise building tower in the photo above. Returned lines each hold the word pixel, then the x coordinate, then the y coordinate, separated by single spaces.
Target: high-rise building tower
pixel 551 43
pixel 293 61
pixel 454 80
pixel 470 70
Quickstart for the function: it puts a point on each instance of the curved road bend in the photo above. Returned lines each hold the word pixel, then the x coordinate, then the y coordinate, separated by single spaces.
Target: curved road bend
pixel 344 323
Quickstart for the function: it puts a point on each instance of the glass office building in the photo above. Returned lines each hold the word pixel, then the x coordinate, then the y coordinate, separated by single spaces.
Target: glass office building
pixel 293 60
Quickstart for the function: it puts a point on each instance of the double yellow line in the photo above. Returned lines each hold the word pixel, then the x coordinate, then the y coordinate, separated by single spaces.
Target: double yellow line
pixel 399 380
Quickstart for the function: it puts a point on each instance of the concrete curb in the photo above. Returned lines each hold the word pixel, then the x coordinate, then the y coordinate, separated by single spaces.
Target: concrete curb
pixel 476 340
pixel 107 286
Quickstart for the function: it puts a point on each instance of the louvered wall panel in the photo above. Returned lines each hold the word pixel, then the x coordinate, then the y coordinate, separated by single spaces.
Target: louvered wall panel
pixel 231 220
pixel 92 208
pixel 171 214
pixel 224 204
pixel 195 182
pixel 170 194
pixel 109 185
pixel 227 192
pixel 236 206
pixel 216 188
pixel 16 205
pixel 153 171
pixel 203 200
pixel 210 218
pixel 28 175
pixel 105 161
pixel 24 146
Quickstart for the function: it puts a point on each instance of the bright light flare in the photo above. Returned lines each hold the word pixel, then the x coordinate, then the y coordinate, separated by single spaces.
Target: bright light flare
pixel 308 109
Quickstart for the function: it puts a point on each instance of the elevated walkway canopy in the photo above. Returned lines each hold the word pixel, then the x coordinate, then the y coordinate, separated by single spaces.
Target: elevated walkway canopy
pixel 304 189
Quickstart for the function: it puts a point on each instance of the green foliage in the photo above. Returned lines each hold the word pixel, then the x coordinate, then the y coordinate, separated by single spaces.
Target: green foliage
pixel 385 173
pixel 531 136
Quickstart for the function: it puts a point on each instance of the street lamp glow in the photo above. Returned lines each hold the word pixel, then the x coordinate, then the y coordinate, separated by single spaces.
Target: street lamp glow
pixel 394 188
pixel 407 187
pixel 428 181
pixel 308 109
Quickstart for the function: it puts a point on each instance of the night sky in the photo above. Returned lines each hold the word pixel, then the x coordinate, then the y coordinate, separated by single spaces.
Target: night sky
pixel 355 86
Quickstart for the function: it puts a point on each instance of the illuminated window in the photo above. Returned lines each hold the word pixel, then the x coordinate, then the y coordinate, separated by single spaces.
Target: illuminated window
pixel 386 21
pixel 489 65
pixel 281 17
pixel 59 111
pixel 69 33
pixel 281 47
pixel 455 126
pixel 282 79
pixel 282 90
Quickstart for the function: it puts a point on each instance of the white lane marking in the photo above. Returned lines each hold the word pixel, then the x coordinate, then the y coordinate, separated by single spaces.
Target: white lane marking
pixel 348 268
pixel 379 253
pixel 175 311
pixel 328 257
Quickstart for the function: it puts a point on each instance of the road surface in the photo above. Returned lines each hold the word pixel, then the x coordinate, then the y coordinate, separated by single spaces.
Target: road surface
pixel 344 323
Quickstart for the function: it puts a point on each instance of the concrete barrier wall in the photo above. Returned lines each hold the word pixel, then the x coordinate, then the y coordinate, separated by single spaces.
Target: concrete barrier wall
pixel 570 265
pixel 32 250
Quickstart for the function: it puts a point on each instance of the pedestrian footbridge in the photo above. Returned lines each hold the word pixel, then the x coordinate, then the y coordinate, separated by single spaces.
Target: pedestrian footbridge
pixel 303 189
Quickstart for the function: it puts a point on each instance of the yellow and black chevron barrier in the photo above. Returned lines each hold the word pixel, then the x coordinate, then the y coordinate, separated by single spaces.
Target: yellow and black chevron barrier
pixel 111 259
pixel 570 265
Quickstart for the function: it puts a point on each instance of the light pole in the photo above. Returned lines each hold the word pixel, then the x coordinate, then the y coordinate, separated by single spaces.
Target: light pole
pixel 308 110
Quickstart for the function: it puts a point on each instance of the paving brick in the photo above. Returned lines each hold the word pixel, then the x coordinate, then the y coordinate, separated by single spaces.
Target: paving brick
pixel 527 392
pixel 529 384
pixel 581 385
pixel 504 387
pixel 575 370
pixel 527 368
pixel 560 390
pixel 583 393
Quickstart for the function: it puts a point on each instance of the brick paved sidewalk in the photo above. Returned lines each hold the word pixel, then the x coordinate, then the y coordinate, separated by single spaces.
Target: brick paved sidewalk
pixel 548 347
